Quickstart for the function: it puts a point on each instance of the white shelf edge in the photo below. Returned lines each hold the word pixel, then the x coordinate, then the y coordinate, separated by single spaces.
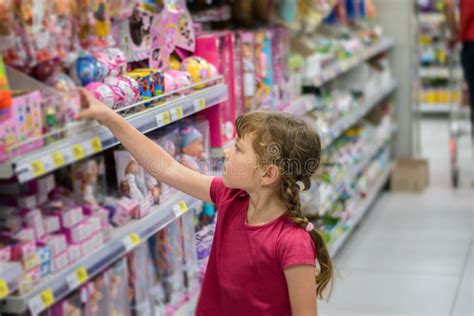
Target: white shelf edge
pixel 381 46
pixel 360 212
pixel 363 163
pixel 434 108
pixel 349 120
pixel 104 256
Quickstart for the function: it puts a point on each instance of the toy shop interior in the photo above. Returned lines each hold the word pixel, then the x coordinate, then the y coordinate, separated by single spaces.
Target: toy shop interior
pixel 85 229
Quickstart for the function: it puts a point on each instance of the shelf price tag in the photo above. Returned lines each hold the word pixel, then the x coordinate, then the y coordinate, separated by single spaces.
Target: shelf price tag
pixel 4 290
pixel 77 278
pixel 41 302
pixel 199 104
pixel 180 208
pixel 58 159
pixel 131 241
pixel 78 152
pixel 177 113
pixel 96 145
pixel 38 168
pixel 163 119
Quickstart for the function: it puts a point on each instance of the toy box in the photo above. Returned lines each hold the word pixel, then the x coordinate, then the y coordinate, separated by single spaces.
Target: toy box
pixel 23 125
pixel 89 180
pixel 218 49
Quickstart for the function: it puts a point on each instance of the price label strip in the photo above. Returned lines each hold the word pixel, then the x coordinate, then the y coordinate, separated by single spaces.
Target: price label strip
pixel 180 208
pixel 131 241
pixel 199 105
pixel 4 290
pixel 58 159
pixel 78 151
pixel 177 113
pixel 96 145
pixel 163 119
pixel 41 302
pixel 38 168
pixel 77 278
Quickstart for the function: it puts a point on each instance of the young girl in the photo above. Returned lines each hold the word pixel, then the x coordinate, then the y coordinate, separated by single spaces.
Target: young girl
pixel 264 251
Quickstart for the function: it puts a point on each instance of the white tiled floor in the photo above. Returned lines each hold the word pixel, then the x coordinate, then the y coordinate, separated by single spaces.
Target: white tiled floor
pixel 413 253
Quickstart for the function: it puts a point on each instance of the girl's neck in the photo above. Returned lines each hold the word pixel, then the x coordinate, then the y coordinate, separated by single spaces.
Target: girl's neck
pixel 263 208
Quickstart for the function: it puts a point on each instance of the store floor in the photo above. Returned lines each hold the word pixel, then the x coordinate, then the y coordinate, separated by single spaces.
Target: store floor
pixel 413 254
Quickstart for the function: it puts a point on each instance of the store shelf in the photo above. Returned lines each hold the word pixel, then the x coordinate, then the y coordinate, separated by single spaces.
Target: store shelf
pixel 434 108
pixel 123 240
pixel 360 212
pixel 302 105
pixel 338 128
pixel 431 18
pixel 94 138
pixel 9 275
pixel 340 67
pixel 438 72
pixel 355 171
pixel 219 14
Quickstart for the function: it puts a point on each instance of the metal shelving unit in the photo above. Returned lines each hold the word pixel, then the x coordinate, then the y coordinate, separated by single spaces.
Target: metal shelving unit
pixel 359 213
pixel 122 241
pixel 340 67
pixel 91 138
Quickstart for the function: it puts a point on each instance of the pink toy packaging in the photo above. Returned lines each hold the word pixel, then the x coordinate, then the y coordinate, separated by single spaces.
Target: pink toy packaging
pixel 89 180
pixel 132 182
pixel 193 141
pixel 140 280
pixel 167 250
pixel 218 49
pixel 172 28
pixel 24 123
pixel 280 56
pixel 97 293
pixel 70 306
pixel 118 289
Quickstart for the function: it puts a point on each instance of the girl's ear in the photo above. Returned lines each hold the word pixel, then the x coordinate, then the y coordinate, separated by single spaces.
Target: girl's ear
pixel 271 175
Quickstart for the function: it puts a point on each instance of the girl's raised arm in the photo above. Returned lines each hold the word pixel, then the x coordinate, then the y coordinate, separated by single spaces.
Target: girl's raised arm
pixel 152 157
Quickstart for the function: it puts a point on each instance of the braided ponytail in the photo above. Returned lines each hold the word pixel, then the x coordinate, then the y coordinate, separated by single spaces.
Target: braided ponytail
pixel 290 194
pixel 288 142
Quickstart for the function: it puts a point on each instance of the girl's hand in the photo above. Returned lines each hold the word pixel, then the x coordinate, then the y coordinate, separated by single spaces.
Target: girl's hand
pixel 93 109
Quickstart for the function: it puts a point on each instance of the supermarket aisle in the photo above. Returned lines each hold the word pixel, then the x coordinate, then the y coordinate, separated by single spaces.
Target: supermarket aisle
pixel 412 254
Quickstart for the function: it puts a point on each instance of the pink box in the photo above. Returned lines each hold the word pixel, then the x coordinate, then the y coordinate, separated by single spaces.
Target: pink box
pixel 78 233
pixel 57 243
pixel 34 274
pixel 218 49
pixel 26 234
pixel 23 250
pixel 51 223
pixel 75 252
pixel 5 253
pixel 34 219
pixel 71 217
pixel 29 201
pixel 25 123
pixel 95 224
pixel 60 261
pixel 31 262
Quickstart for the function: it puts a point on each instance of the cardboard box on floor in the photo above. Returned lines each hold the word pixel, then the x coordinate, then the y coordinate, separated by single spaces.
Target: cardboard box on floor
pixel 409 175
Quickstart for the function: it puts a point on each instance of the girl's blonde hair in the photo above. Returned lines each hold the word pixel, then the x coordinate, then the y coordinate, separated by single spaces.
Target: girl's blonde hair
pixel 287 142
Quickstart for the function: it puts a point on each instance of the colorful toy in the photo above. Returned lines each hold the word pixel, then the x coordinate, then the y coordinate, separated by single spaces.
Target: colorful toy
pixel 105 93
pixel 191 143
pixel 127 85
pixel 198 68
pixel 172 28
pixel 113 61
pixel 87 69
pixel 181 79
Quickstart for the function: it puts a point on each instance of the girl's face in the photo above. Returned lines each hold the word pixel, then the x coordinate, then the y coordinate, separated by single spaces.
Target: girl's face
pixel 240 166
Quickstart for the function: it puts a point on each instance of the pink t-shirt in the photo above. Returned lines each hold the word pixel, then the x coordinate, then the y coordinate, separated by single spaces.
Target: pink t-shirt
pixel 245 271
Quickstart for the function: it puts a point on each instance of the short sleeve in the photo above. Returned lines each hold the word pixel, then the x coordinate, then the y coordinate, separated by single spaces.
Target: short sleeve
pixel 217 189
pixel 296 247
